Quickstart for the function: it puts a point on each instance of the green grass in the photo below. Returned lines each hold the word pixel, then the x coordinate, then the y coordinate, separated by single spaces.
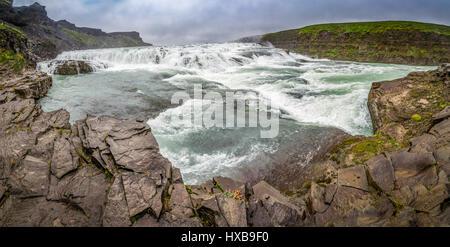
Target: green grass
pixel 99 41
pixel 375 27
pixel 382 41
pixel 13 30
pixel 83 38
pixel 6 2
pixel 14 60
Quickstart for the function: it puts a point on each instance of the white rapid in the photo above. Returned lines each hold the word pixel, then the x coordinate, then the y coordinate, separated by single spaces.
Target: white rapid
pixel 139 82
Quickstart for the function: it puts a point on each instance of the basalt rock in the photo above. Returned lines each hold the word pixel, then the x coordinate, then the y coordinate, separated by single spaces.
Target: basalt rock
pixel 72 67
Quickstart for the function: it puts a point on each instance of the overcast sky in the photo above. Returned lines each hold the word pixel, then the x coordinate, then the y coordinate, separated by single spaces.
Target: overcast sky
pixel 197 21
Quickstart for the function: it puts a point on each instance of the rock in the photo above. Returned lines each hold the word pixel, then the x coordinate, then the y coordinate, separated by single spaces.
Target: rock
pixel 330 192
pixel 62 161
pixel 277 207
pixel 177 178
pixel 228 184
pixel 408 164
pixel 180 204
pixel 431 199
pixel 354 177
pixel 423 143
pixel 392 103
pixel 72 67
pixel 142 193
pixel 85 190
pixel 442 114
pixel 38 212
pixel 406 217
pixel 317 196
pixel 381 172
pixel 166 220
pixel 258 215
pixel 442 156
pixel 354 207
pixel 30 178
pixel 116 209
pixel 442 130
pixel 234 211
pixel 443 177
pixel 296 95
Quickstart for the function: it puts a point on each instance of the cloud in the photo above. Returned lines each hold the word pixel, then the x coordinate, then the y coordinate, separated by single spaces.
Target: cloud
pixel 196 21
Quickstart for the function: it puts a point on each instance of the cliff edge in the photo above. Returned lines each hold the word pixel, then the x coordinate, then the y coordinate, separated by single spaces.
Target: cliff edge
pixel 400 42
pixel 49 37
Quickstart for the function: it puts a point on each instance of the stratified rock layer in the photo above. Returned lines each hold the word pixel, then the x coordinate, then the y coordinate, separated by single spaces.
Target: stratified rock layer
pixel 402 42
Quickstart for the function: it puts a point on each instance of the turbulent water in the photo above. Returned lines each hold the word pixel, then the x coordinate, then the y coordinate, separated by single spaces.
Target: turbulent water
pixel 315 96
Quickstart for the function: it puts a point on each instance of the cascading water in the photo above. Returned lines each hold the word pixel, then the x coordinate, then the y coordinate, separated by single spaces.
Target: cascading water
pixel 314 95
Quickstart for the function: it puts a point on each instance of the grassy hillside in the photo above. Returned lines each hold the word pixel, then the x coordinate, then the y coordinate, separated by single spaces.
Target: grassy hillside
pixel 400 42
pixel 13 48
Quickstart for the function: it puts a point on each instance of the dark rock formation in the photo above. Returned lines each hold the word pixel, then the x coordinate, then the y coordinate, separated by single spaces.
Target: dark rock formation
pixel 51 37
pixel 401 42
pixel 71 67
pixel 250 39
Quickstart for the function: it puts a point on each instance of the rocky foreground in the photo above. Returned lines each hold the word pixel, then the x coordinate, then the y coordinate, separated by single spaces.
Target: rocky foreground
pixel 104 171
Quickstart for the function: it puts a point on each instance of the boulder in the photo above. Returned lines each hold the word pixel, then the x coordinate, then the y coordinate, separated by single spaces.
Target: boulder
pixel 116 209
pixel 408 164
pixel 442 114
pixel 234 211
pixel 381 172
pixel 268 203
pixel 72 67
pixel 429 200
pixel 354 177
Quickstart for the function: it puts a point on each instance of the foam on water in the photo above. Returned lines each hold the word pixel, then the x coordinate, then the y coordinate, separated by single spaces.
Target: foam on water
pixel 316 92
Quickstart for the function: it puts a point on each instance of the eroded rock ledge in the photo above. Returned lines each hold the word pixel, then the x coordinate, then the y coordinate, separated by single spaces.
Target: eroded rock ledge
pixel 104 171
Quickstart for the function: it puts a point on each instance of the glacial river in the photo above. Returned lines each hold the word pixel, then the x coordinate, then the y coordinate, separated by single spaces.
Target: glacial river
pixel 314 97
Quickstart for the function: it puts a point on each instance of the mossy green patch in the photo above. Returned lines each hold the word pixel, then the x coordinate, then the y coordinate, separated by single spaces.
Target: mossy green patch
pixel 358 150
pixel 188 189
pixel 375 27
pixel 14 60
pixel 15 31
pixel 416 117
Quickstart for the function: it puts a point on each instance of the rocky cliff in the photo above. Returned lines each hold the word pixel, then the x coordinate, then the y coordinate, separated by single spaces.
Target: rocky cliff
pixel 399 42
pixel 50 37
pixel 398 176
